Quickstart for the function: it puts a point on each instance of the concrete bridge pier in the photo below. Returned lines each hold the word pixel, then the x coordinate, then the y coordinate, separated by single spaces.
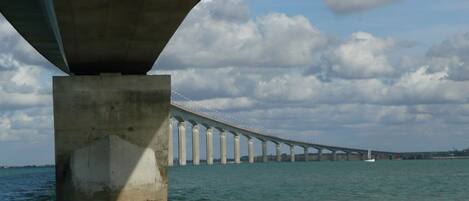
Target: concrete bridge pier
pixel 264 151
pixel 209 146
pixel 278 153
pixel 182 143
pixel 195 145
pixel 111 137
pixel 292 153
pixel 170 144
pixel 250 150
pixel 334 155
pixel 237 153
pixel 319 155
pixel 223 147
pixel 305 150
pixel 347 156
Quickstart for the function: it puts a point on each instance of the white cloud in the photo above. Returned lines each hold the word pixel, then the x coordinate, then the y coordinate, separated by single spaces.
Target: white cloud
pixel 221 103
pixel 361 56
pixel 343 7
pixel 451 55
pixel 212 38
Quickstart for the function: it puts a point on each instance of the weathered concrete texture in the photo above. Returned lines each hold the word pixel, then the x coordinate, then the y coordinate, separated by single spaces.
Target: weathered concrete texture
pixel 111 135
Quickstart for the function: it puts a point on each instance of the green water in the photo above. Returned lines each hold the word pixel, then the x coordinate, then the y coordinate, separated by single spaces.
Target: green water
pixel 325 180
pixel 355 180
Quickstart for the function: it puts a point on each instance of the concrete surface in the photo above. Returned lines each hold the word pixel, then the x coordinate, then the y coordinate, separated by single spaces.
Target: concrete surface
pixel 111 135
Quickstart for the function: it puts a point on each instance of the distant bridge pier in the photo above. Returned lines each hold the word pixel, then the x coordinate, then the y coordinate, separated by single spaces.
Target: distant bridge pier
pixel 170 144
pixel 319 154
pixel 264 151
pixel 222 147
pixel 182 142
pixel 292 153
pixel 250 150
pixel 333 155
pixel 195 144
pixel 237 153
pixel 305 150
pixel 209 145
pixel 278 153
pixel 347 156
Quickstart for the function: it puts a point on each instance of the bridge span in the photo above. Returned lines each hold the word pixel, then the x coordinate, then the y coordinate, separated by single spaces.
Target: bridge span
pixel 183 116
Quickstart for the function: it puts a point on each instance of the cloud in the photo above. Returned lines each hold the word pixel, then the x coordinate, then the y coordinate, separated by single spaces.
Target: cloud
pixel 418 87
pixel 221 103
pixel 361 56
pixel 344 7
pixel 451 55
pixel 211 38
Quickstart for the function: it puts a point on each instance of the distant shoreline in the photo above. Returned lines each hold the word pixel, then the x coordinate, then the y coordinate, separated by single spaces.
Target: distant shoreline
pixel 27 166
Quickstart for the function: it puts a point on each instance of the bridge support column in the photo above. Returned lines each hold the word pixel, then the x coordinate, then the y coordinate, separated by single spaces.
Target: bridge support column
pixel 319 154
pixel 237 153
pixel 182 143
pixel 111 137
pixel 334 155
pixel 170 144
pixel 223 147
pixel 264 151
pixel 278 154
pixel 305 151
pixel 292 153
pixel 251 150
pixel 347 155
pixel 195 145
pixel 209 146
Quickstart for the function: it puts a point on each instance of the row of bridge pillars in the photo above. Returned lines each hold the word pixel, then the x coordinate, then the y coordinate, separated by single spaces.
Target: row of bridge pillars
pixel 181 130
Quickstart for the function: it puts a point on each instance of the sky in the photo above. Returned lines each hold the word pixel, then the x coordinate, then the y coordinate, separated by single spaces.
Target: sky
pixel 381 74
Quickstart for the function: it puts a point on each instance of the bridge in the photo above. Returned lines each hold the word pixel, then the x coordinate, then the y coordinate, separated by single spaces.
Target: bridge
pixel 112 125
pixel 183 116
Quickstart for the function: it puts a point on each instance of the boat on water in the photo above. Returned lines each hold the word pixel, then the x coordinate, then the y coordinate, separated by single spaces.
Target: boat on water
pixel 369 159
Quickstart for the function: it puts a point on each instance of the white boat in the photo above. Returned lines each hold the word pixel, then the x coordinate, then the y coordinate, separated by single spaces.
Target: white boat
pixel 369 159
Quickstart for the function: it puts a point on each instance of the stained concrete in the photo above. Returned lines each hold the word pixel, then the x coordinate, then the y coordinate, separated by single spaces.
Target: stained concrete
pixel 111 135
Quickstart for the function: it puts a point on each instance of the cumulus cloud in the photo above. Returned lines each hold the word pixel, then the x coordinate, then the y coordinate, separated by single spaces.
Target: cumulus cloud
pixel 451 55
pixel 343 7
pixel 24 89
pixel 280 73
pixel 361 56
pixel 418 87
pixel 212 38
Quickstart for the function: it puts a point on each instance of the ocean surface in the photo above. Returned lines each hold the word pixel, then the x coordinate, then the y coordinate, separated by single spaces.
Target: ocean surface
pixel 424 180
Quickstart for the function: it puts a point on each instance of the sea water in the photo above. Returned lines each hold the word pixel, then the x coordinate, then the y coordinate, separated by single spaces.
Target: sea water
pixel 418 180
